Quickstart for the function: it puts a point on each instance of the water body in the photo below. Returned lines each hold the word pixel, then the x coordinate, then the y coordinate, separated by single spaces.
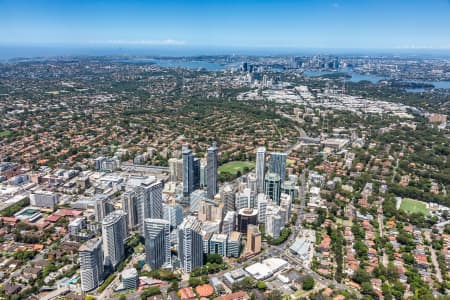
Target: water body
pixel 356 77
pixel 178 63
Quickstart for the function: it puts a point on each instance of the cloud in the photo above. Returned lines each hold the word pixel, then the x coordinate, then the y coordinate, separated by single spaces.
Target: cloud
pixel 166 42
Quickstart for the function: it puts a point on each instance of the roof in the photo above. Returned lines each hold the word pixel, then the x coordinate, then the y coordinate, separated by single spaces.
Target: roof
pixel 187 293
pixel 205 290
pixel 53 218
pixel 234 296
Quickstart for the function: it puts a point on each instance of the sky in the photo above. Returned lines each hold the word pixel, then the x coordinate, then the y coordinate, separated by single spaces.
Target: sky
pixel 345 24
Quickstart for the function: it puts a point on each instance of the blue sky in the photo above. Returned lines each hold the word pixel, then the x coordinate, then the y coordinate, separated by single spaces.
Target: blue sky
pixel 378 24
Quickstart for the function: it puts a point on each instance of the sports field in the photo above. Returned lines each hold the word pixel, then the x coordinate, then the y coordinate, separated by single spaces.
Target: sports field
pixel 414 206
pixel 233 167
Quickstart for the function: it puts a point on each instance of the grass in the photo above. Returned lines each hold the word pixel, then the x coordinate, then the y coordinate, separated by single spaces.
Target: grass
pixel 5 133
pixel 344 222
pixel 414 206
pixel 233 167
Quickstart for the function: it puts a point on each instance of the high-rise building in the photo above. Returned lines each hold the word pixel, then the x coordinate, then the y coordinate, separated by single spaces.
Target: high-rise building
pixel 274 223
pixel 227 196
pixel 173 213
pixel 229 222
pixel 272 187
pixel 211 171
pixel 188 174
pixel 247 216
pixel 157 242
pixel 130 279
pixel 114 232
pixel 202 174
pixel 254 239
pixel 285 205
pixel 234 244
pixel 102 207
pixel 244 199
pixel 262 203
pixel 190 244
pixel 196 166
pixel 44 199
pixel 260 168
pixel 149 202
pixel 210 211
pixel 277 164
pixel 252 183
pixel 218 244
pixel 290 187
pixel 176 169
pixel 129 205
pixel 91 264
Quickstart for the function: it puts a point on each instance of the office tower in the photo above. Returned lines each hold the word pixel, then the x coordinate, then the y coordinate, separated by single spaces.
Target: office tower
pixel 188 174
pixel 211 226
pixel 262 203
pixel 203 175
pixel 260 168
pixel 211 171
pixel 274 223
pixel 244 199
pixel 130 279
pixel 102 207
pixel 229 222
pixel 129 205
pixel 285 205
pixel 252 183
pixel 114 232
pixel 227 195
pixel 247 216
pixel 196 166
pixel 190 244
pixel 254 239
pixel 234 244
pixel 272 187
pixel 173 213
pixel 277 164
pixel 176 169
pixel 91 264
pixel 149 202
pixel 210 211
pixel 290 187
pixel 218 244
pixel 157 242
pixel 206 237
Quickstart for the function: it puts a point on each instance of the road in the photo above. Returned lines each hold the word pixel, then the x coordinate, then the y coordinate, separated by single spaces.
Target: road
pixel 427 233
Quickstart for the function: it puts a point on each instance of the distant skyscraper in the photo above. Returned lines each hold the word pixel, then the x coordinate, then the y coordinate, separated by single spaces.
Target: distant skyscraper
pixel 253 239
pixel 190 244
pixel 272 187
pixel 173 214
pixel 114 232
pixel 102 207
pixel 149 202
pixel 229 222
pixel 129 205
pixel 91 264
pixel 277 164
pixel 176 169
pixel 211 171
pixel 245 199
pixel 196 166
pixel 188 174
pixel 260 168
pixel 227 196
pixel 157 242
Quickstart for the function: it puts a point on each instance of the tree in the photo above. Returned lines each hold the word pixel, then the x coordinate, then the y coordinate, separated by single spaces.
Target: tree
pixel 275 295
pixel 261 285
pixel 308 283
